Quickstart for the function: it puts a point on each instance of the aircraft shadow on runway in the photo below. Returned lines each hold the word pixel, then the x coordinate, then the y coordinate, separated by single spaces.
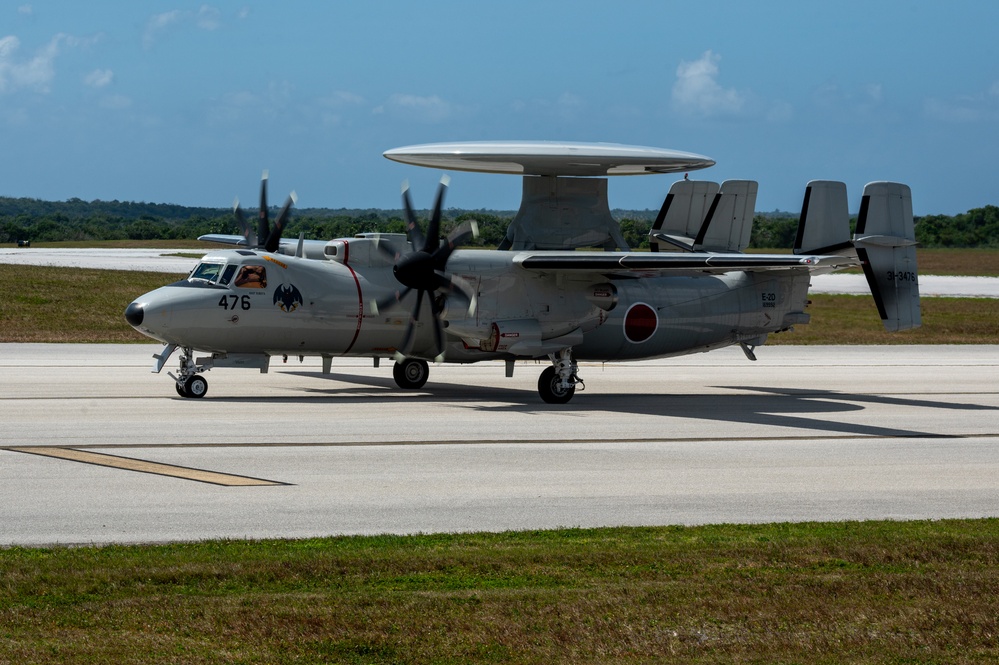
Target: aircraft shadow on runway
pixel 811 409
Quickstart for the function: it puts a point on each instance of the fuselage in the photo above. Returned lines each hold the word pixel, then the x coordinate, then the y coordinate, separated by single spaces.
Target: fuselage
pixel 244 301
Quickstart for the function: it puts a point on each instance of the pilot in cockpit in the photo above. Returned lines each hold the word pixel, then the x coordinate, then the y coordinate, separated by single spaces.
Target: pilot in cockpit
pixel 251 277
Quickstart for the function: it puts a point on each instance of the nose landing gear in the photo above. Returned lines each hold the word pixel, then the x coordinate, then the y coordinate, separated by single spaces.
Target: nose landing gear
pixel 190 383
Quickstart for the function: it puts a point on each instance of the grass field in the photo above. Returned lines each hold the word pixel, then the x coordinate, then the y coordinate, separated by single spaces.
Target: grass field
pixel 877 592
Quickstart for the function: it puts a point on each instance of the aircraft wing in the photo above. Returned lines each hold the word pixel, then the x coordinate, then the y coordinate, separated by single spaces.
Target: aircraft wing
pixel 223 238
pixel 311 249
pixel 642 262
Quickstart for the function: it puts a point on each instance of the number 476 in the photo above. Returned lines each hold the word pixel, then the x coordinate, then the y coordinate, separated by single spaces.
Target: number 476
pixel 231 301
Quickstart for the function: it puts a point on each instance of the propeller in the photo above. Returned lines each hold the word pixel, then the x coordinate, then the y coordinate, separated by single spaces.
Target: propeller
pixel 271 237
pixel 424 269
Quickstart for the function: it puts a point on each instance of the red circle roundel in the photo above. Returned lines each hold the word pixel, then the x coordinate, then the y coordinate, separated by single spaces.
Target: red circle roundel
pixel 640 322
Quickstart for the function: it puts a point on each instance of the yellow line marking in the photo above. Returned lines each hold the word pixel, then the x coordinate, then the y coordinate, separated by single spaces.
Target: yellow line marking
pixel 143 466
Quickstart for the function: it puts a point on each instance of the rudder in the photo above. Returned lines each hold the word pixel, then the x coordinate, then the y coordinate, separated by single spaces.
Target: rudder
pixel 886 245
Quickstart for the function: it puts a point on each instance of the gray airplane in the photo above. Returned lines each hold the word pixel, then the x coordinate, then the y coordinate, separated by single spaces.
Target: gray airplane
pixel 418 297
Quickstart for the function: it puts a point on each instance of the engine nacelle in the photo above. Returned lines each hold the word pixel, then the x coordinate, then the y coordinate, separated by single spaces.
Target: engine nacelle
pixel 603 296
pixel 363 250
pixel 522 337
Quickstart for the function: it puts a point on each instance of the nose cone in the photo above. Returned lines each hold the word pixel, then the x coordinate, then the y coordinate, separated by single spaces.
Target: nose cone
pixel 134 314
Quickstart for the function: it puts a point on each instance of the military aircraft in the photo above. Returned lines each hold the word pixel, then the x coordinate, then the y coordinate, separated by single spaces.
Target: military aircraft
pixel 418 297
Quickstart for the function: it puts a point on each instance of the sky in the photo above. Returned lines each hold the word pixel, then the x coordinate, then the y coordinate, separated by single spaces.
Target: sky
pixel 186 103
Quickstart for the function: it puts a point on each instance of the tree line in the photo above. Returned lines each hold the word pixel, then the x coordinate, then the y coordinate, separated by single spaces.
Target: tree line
pixel 77 220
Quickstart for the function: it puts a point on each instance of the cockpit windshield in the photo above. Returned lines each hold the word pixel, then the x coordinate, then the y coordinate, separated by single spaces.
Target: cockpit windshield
pixel 208 272
pixel 220 273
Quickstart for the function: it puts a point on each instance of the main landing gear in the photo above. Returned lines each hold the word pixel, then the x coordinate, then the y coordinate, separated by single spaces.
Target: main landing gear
pixel 190 383
pixel 557 384
pixel 411 373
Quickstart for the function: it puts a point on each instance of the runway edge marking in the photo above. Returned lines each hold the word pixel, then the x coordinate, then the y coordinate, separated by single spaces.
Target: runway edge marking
pixel 144 466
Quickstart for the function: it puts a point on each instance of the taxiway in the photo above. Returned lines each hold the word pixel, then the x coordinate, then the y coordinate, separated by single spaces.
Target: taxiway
pixel 94 448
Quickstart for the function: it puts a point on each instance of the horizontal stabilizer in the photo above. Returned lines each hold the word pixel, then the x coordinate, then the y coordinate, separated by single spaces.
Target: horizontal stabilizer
pixel 886 245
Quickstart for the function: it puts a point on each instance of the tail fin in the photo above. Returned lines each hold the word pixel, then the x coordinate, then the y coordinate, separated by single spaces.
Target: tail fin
pixel 886 244
pixel 682 214
pixel 824 225
pixel 730 221
pixel 698 216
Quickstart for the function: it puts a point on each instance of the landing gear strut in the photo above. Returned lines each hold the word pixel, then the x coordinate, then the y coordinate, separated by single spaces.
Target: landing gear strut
pixel 190 383
pixel 557 383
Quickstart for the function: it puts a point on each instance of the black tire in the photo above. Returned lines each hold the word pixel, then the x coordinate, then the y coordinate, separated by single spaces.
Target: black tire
pixel 196 386
pixel 180 389
pixel 550 388
pixel 411 373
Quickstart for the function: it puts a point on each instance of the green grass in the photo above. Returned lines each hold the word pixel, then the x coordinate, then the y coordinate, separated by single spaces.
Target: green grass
pixel 884 592
pixel 44 304
pixel 840 319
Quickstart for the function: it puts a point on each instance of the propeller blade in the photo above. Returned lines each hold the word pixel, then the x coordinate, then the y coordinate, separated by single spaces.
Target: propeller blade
pixel 438 329
pixel 434 230
pixel 460 235
pixel 412 227
pixel 249 235
pixel 461 286
pixel 389 301
pixel 263 226
pixel 274 237
pixel 386 250
pixel 410 337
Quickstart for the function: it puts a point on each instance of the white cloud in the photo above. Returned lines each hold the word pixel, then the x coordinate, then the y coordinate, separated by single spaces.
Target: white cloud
pixel 867 101
pixel 99 78
pixel 208 18
pixel 958 111
pixel 115 102
pixel 969 108
pixel 697 90
pixel 426 109
pixel 205 18
pixel 34 73
pixel 343 98
pixel 25 10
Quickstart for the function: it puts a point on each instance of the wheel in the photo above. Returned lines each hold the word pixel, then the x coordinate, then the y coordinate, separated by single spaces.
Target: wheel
pixel 411 373
pixel 180 389
pixel 196 386
pixel 550 387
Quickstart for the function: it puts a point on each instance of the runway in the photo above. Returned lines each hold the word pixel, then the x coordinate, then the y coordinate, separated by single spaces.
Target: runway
pixel 96 449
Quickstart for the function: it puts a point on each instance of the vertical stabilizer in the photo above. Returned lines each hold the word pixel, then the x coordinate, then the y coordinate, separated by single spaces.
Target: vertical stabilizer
pixel 886 244
pixel 824 225
pixel 730 220
pixel 682 214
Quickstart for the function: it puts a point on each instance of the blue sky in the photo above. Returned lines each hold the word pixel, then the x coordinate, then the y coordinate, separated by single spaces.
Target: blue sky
pixel 187 103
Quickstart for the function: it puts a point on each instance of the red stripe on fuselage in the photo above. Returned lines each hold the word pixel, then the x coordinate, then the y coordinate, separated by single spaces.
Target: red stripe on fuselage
pixel 360 300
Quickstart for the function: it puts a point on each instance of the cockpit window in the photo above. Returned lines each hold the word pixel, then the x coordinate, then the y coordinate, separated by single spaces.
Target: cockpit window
pixel 251 277
pixel 230 270
pixel 208 272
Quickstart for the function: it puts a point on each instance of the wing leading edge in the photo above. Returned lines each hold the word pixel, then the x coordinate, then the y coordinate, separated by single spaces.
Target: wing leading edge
pixel 625 262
